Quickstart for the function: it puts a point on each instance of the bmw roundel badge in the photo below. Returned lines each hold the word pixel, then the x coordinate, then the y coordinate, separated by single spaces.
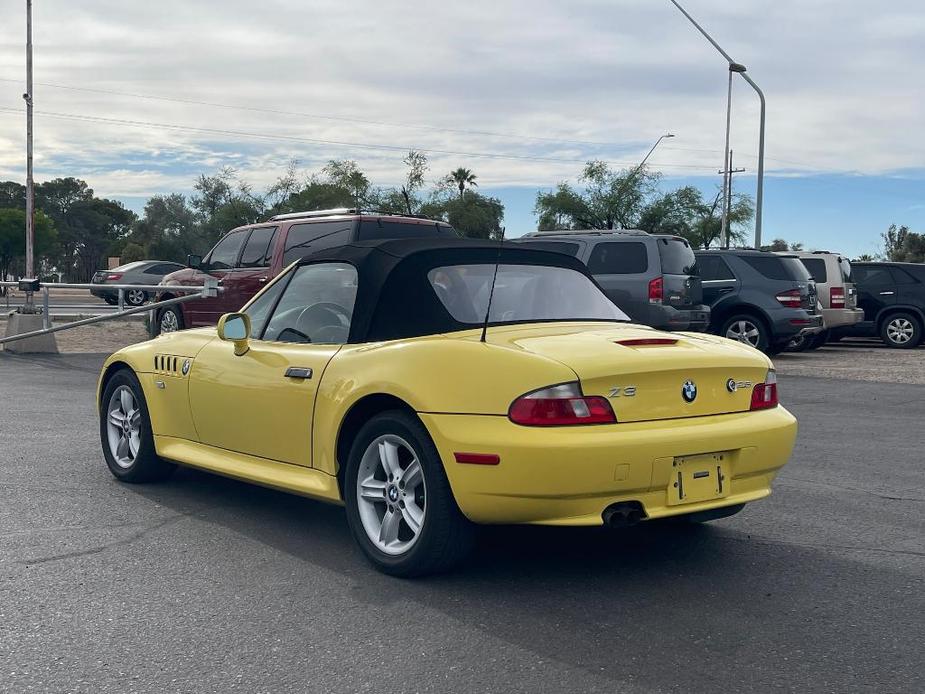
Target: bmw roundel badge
pixel 689 391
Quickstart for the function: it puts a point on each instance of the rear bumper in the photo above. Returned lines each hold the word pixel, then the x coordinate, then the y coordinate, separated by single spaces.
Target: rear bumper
pixel 693 319
pixel 569 475
pixel 841 317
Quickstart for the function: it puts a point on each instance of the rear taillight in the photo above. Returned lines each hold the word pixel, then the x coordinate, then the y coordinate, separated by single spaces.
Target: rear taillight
pixel 837 297
pixel 656 290
pixel 562 405
pixel 113 276
pixel 790 298
pixel 764 395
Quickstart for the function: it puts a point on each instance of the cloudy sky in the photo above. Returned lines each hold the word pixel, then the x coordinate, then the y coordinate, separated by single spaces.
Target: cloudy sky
pixel 140 97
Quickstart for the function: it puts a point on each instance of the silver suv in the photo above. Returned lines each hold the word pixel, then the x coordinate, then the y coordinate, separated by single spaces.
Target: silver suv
pixel 837 294
pixel 652 277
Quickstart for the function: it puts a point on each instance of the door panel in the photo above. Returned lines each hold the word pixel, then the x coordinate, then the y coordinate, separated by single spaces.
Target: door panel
pixel 247 404
pixel 876 289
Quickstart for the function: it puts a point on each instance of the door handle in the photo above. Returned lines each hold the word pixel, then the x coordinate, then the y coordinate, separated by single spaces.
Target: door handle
pixel 887 293
pixel 262 279
pixel 298 372
pixel 723 290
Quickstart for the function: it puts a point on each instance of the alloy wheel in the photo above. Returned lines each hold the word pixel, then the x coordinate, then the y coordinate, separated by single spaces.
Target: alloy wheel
pixel 136 297
pixel 900 330
pixel 744 331
pixel 169 322
pixel 123 427
pixel 391 494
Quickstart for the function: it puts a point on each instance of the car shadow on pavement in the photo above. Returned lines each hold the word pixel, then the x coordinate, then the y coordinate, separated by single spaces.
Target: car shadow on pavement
pixel 592 598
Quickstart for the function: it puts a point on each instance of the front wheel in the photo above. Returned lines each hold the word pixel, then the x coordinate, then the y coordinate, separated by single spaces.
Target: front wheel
pixel 400 507
pixel 135 297
pixel 902 331
pixel 169 320
pixel 125 432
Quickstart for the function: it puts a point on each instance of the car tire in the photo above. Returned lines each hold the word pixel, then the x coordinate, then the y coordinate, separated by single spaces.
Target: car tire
pixel 901 331
pixel 135 297
pixel 415 527
pixel 748 329
pixel 111 300
pixel 126 434
pixel 169 320
pixel 818 340
pixel 800 343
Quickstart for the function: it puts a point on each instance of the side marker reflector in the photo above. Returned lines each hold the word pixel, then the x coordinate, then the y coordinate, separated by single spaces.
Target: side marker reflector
pixel 478 458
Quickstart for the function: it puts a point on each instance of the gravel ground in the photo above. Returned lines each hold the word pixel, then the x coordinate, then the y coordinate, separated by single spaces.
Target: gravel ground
pixel 857 360
pixel 98 338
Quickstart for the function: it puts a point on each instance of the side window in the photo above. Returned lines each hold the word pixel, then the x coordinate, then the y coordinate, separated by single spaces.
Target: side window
pixel 161 269
pixel 225 253
pixel 260 308
pixel 871 274
pixel 567 247
pixel 258 248
pixel 713 267
pixel 816 267
pixel 316 306
pixel 901 276
pixel 768 266
pixel 619 258
pixel 304 239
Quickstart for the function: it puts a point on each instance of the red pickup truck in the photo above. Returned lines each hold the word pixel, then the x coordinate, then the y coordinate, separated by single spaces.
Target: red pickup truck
pixel 248 257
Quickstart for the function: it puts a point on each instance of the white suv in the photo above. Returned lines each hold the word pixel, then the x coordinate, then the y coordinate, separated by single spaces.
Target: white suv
pixel 837 294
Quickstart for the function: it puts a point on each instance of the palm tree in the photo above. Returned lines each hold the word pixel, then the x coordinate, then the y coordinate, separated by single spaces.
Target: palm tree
pixel 461 178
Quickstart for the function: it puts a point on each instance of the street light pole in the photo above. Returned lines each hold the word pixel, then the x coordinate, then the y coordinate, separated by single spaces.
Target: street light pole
pixel 646 158
pixel 737 67
pixel 29 307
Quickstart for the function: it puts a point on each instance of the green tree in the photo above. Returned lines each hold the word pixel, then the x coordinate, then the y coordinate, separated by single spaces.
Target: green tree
pixel 782 245
pixel 609 199
pixel 223 202
pixel 13 239
pixel 167 230
pixel 686 213
pixel 347 175
pixel 132 252
pixel 475 216
pixel 12 195
pixel 461 178
pixel 902 245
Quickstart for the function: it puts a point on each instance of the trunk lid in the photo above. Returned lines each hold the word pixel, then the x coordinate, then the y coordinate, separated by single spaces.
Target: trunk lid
pixel 644 382
pixel 682 288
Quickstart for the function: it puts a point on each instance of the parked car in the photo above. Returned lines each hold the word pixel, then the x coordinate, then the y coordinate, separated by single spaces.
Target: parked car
pixel 758 297
pixel 247 258
pixel 653 277
pixel 838 297
pixel 892 297
pixel 360 377
pixel 140 272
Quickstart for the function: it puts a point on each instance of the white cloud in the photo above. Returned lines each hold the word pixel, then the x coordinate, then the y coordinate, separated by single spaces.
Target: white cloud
pixel 841 81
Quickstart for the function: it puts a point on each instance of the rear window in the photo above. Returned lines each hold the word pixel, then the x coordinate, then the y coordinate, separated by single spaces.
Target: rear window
pixel 619 258
pixel 816 267
pixel 387 229
pixel 777 268
pixel 521 293
pixel 845 267
pixel 566 247
pixel 677 257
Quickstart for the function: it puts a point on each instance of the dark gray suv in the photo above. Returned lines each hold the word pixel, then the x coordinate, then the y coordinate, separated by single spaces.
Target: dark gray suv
pixel 760 298
pixel 652 277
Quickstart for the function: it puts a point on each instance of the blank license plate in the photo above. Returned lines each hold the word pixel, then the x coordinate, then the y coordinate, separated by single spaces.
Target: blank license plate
pixel 699 478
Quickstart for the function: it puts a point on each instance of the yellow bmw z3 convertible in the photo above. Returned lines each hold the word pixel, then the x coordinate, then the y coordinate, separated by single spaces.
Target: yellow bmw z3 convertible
pixel 369 375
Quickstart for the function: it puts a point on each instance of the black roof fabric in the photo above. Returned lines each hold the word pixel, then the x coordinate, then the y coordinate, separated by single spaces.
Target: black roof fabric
pixel 394 296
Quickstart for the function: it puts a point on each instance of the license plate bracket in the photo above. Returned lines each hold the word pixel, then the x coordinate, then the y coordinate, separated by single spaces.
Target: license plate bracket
pixel 696 478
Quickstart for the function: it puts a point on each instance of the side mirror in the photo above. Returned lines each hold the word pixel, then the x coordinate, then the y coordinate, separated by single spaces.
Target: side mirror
pixel 194 261
pixel 236 328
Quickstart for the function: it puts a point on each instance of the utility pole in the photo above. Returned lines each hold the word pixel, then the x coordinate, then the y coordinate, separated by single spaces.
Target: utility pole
pixel 727 196
pixel 29 306
pixel 726 163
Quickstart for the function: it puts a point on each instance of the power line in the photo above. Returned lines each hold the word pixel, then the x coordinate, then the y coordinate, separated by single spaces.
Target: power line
pixel 321 116
pixel 318 141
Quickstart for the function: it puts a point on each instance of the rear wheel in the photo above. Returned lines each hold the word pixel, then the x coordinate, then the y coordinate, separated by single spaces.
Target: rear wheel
pixel 819 340
pixel 169 320
pixel 400 507
pixel 111 300
pixel 747 329
pixel 125 432
pixel 901 330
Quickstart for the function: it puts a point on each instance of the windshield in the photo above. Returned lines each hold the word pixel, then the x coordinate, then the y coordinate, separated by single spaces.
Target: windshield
pixel 677 257
pixel 522 293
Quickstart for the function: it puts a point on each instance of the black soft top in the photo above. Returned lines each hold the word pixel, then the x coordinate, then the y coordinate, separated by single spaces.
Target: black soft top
pixel 394 296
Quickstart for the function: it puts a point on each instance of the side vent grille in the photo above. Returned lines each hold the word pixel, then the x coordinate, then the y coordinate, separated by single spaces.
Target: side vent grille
pixel 167 364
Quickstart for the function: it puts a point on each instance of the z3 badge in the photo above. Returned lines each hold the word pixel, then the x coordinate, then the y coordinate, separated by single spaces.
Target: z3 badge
pixel 624 391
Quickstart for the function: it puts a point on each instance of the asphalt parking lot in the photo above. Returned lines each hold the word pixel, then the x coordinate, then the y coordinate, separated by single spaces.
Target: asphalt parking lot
pixel 204 584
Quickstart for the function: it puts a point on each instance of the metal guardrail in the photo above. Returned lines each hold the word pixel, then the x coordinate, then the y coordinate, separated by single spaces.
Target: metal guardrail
pixel 208 290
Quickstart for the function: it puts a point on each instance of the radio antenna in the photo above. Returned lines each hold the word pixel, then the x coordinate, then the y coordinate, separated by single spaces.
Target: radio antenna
pixel 491 293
